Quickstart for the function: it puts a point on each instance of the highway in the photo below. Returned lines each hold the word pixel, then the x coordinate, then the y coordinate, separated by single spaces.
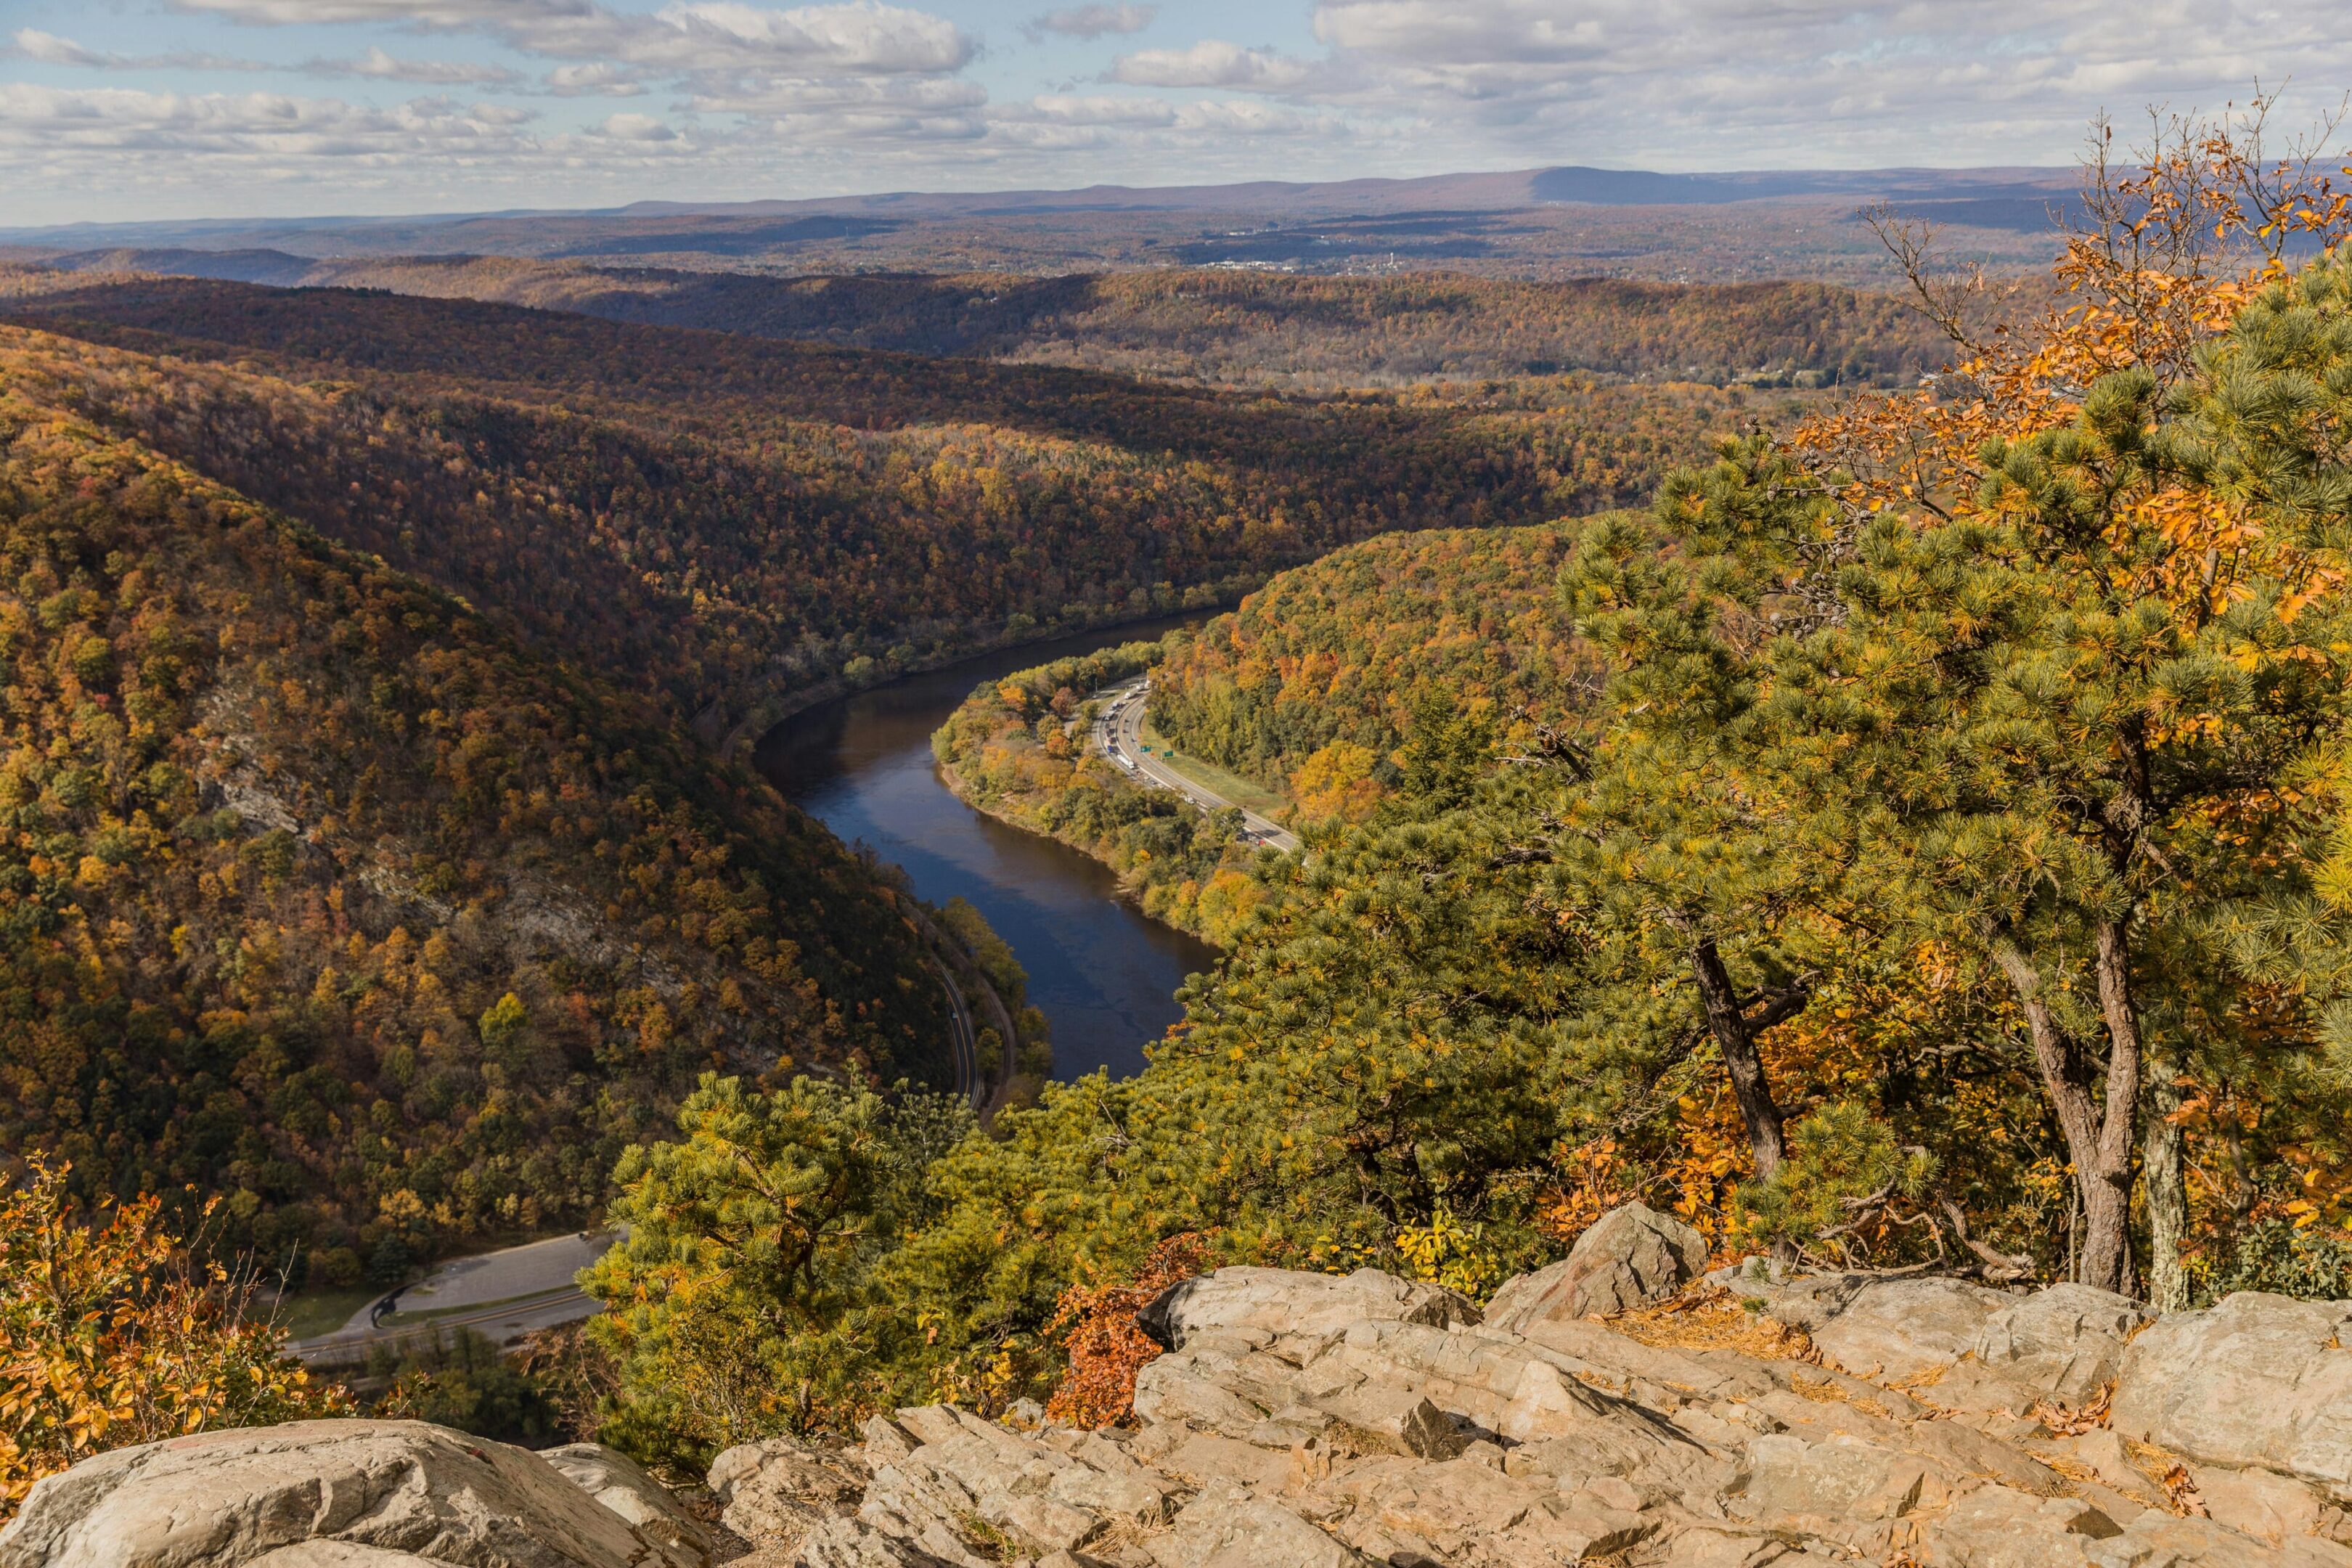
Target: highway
pixel 502 1296
pixel 985 1083
pixel 961 1036
pixel 1119 735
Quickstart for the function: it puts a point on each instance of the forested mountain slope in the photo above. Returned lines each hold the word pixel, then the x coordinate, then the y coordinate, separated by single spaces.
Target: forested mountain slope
pixel 727 521
pixel 1195 323
pixel 1317 681
pixel 319 893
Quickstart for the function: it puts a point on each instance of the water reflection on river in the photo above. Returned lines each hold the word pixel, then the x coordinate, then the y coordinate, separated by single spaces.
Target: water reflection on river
pixel 1103 975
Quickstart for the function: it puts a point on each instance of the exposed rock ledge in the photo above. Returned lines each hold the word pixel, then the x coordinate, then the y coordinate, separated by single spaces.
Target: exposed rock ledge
pixel 1300 1421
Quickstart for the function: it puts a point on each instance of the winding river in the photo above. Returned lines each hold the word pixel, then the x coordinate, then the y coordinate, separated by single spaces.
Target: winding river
pixel 1104 975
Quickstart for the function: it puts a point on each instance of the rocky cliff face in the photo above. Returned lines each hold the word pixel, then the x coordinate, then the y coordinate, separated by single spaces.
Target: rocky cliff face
pixel 1304 1420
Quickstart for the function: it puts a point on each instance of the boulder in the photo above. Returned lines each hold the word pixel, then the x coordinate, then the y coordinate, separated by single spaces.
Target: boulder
pixel 1227 1527
pixel 1899 1329
pixel 1800 1300
pixel 2265 1506
pixel 1845 1478
pixel 1393 1421
pixel 2255 1382
pixel 2101 1453
pixel 621 1484
pixel 854 1544
pixel 340 1554
pixel 2156 1538
pixel 1995 1526
pixel 776 1490
pixel 1439 1501
pixel 2066 1342
pixel 346 1493
pixel 1632 1256
pixel 1288 1301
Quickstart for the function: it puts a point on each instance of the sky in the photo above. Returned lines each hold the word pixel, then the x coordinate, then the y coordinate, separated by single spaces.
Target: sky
pixel 133 109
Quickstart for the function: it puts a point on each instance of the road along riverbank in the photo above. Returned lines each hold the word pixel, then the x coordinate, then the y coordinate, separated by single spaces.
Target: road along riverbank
pixel 1118 734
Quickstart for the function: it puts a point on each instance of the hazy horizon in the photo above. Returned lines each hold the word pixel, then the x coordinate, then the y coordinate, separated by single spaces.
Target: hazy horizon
pixel 170 110
pixel 978 192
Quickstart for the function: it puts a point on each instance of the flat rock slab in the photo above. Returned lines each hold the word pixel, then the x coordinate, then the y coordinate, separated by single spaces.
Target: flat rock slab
pixel 1899 1329
pixel 2255 1381
pixel 1286 1301
pixel 345 1492
pixel 2066 1342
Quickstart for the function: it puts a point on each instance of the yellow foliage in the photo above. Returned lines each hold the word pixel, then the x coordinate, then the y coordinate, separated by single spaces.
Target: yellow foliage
pixel 1337 781
pixel 1447 1252
pixel 112 1334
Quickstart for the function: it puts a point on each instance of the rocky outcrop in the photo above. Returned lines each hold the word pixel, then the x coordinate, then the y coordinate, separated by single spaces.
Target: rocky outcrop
pixel 1633 1257
pixel 1802 1302
pixel 621 1484
pixel 2066 1342
pixel 1686 1436
pixel 1275 1301
pixel 1900 1329
pixel 2257 1382
pixel 1309 1422
pixel 349 1494
pixel 778 1490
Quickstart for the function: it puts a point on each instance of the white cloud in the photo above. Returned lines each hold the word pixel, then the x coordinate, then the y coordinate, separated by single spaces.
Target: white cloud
pixel 861 94
pixel 892 96
pixel 598 77
pixel 1098 109
pixel 31 43
pixel 1245 117
pixel 50 50
pixel 707 35
pixel 1731 84
pixel 410 13
pixel 238 125
pixel 1090 21
pixel 383 66
pixel 636 128
pixel 1212 62
pixel 863 37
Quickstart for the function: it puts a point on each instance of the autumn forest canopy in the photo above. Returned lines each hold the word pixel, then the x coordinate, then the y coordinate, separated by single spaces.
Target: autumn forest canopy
pixel 1893 820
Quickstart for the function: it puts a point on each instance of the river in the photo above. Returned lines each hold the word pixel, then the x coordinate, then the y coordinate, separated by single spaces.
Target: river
pixel 1103 974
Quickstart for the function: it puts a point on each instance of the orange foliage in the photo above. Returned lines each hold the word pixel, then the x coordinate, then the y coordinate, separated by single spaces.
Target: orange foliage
pixel 111 1334
pixel 1106 1349
pixel 2169 257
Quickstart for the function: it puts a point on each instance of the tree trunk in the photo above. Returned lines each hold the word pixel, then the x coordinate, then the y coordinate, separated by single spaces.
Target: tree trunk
pixel 2098 1139
pixel 2168 1193
pixel 2107 1246
pixel 1736 1041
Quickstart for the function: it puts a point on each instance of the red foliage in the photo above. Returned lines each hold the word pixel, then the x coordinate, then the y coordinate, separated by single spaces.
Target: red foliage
pixel 1106 1349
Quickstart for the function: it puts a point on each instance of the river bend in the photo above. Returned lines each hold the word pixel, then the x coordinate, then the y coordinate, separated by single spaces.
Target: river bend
pixel 1104 975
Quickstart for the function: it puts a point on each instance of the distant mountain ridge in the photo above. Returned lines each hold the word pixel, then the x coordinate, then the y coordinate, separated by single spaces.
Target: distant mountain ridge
pixel 1438 192
pixel 735 227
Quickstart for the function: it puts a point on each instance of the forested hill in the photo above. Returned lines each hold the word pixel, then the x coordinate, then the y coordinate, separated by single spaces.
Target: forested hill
pixel 725 521
pixel 1317 684
pixel 1197 323
pixel 319 893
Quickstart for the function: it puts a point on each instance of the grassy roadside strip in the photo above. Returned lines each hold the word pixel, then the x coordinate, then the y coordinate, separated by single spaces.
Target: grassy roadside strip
pixel 1242 791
